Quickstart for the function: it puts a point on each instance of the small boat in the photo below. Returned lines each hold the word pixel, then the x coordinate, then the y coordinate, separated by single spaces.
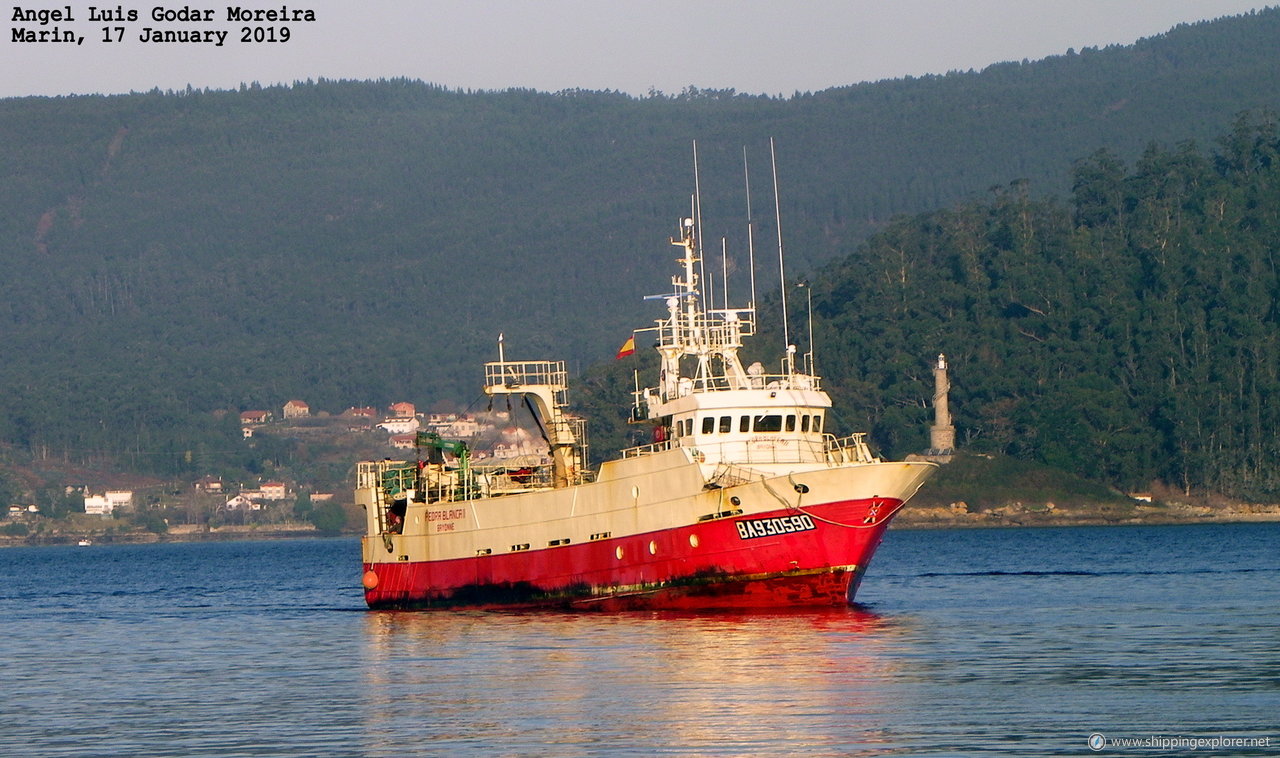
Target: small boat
pixel 743 499
pixel 86 542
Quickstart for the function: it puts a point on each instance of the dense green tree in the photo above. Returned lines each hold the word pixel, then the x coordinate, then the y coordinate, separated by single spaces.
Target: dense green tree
pixel 303 507
pixel 151 521
pixel 10 490
pixel 328 517
pixel 1130 337
pixel 56 502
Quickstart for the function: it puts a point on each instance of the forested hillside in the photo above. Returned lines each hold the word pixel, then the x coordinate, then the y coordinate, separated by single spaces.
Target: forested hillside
pixel 1129 335
pixel 165 255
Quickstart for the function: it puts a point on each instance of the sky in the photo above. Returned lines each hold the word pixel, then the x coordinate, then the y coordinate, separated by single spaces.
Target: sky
pixel 635 46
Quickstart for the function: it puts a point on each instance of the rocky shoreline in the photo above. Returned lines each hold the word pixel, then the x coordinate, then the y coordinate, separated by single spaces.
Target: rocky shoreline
pixel 958 515
pixel 181 533
pixel 953 516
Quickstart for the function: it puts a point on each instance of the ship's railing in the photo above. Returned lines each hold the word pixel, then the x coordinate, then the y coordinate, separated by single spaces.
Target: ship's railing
pixel 653 447
pixel 373 473
pixel 505 480
pixel 393 480
pixel 759 450
pixel 780 382
pixel 707 331
pixel 850 449
pixel 832 450
pixel 731 475
pixel 386 480
pixel 512 374
pixel 583 476
pixel 448 484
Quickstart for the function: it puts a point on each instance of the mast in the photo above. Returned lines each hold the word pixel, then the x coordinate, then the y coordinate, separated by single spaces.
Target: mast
pixel 809 367
pixel 751 245
pixel 724 274
pixel 697 216
pixel 782 272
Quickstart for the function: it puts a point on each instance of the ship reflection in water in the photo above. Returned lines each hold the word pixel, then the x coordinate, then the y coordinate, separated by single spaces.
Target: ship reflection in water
pixel 804 682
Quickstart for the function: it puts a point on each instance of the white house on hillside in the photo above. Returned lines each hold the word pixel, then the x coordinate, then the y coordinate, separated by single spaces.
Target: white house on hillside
pixel 105 505
pixel 399 425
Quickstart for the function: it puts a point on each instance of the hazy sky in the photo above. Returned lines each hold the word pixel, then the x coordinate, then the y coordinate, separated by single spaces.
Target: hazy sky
pixel 754 46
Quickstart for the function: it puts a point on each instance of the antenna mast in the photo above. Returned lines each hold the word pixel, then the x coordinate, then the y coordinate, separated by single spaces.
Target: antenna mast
pixel 724 274
pixel 810 360
pixel 782 273
pixel 697 212
pixel 751 245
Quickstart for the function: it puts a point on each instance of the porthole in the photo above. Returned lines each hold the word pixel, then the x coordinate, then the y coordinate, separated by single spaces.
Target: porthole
pixel 618 552
pixel 693 540
pixel 653 548
pixel 635 493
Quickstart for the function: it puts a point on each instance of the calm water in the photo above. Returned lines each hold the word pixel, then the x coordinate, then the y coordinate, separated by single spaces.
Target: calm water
pixel 1021 642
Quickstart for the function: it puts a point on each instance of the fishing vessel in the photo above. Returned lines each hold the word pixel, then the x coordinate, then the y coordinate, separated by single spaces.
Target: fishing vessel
pixel 743 499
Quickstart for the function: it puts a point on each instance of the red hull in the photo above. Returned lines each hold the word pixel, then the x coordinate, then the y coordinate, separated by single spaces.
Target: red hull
pixel 783 558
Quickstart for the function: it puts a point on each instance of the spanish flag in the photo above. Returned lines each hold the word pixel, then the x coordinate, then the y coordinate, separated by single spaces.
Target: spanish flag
pixel 627 348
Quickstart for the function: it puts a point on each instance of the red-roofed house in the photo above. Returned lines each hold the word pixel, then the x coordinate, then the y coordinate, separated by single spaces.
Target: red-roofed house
pixel 274 491
pixel 296 409
pixel 403 410
pixel 255 417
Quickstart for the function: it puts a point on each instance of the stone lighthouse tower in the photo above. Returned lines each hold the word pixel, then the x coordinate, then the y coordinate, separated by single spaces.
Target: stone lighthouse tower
pixel 942 435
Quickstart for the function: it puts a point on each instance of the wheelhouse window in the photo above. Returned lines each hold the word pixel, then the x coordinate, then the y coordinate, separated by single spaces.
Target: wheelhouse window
pixel 768 423
pixel 791 423
pixel 817 423
pixel 708 424
pixel 804 423
pixel 726 424
pixel 744 424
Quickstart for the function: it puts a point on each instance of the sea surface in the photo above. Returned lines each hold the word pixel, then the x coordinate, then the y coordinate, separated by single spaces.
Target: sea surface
pixel 1009 641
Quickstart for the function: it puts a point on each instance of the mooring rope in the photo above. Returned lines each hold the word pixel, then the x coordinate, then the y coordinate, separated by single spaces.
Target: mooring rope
pixel 798 507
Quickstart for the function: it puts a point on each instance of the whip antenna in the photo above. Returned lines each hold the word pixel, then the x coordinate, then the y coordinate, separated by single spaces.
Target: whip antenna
pixel 724 273
pixel 751 244
pixel 697 212
pixel 782 273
